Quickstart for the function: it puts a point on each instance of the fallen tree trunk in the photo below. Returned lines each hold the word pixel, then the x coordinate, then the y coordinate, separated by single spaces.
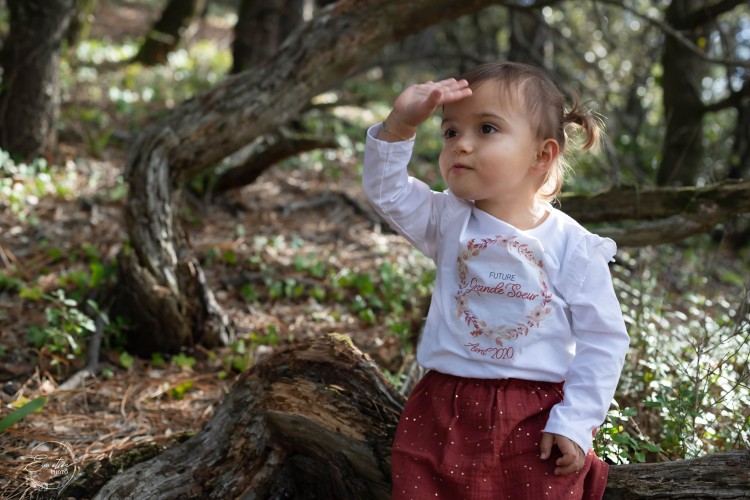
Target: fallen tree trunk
pixel 663 215
pixel 723 475
pixel 316 421
pixel 626 202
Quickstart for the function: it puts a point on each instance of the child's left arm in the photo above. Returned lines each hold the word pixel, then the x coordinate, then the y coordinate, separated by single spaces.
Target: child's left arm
pixel 601 344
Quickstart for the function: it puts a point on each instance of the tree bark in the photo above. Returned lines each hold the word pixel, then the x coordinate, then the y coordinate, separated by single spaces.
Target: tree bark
pixel 30 91
pixel 740 160
pixel 163 283
pixel 279 147
pixel 682 150
pixel 262 26
pixel 163 280
pixel 317 420
pixel 168 31
pixel 723 475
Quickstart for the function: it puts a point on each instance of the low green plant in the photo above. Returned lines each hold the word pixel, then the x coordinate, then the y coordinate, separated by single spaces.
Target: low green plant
pixel 392 295
pixel 242 352
pixel 391 292
pixel 686 382
pixel 157 360
pixel 133 92
pixel 184 361
pixel 67 326
pixel 119 190
pixel 614 443
pixel 96 130
pixel 178 391
pixel 395 379
pixel 126 360
pixel 703 397
pixel 240 359
pixel 32 292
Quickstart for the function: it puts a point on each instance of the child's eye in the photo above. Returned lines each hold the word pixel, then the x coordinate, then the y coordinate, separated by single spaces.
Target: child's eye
pixel 487 129
pixel 448 133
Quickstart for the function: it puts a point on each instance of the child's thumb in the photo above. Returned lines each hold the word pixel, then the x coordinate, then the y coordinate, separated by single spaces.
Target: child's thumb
pixel 545 447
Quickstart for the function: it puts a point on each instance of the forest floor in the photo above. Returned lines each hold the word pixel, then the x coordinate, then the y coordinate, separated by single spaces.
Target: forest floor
pixel 265 236
pixel 285 214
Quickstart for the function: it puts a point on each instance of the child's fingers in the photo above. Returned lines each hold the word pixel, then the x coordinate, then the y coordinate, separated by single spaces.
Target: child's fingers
pixel 572 458
pixel 566 464
pixel 452 90
pixel 419 101
pixel 545 446
pixel 452 83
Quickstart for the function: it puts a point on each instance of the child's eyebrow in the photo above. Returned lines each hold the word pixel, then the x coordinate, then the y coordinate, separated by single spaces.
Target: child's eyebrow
pixel 479 116
pixel 493 117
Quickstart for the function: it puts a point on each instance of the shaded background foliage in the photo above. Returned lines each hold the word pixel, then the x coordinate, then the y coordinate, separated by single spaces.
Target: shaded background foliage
pixel 670 77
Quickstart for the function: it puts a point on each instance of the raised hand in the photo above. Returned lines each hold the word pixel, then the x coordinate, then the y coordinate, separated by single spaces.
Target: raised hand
pixel 415 104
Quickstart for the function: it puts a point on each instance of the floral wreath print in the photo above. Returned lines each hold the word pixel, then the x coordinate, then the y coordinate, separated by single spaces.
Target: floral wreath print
pixel 500 333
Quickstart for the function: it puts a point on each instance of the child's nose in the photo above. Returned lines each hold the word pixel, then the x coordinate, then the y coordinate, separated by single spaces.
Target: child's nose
pixel 462 145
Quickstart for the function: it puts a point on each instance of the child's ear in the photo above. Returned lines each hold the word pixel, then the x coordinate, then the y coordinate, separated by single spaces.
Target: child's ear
pixel 546 156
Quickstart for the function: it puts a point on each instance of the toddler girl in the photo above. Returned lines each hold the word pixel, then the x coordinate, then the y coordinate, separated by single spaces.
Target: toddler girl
pixel 524 340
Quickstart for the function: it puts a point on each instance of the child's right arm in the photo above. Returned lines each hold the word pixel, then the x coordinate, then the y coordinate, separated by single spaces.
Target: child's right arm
pixel 407 204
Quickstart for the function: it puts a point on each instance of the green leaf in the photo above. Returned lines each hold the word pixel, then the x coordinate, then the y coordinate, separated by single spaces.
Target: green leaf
pixel 31 293
pixel 97 274
pixel 178 392
pixel 157 360
pixel 126 360
pixel 183 361
pixel 21 412
pixel 654 448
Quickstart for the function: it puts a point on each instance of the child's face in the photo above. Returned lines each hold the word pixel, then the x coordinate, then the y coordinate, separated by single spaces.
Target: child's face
pixel 489 152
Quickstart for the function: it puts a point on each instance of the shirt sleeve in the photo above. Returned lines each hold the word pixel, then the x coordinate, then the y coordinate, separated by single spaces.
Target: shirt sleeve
pixel 407 204
pixel 601 342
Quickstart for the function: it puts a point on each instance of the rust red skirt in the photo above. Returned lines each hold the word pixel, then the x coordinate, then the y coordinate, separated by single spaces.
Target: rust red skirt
pixel 465 438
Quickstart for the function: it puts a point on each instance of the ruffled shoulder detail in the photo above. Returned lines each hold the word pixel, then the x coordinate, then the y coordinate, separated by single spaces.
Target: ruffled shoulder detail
pixel 581 253
pixel 454 206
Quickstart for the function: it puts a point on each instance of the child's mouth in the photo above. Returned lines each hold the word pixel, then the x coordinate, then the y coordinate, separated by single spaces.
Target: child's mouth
pixel 458 168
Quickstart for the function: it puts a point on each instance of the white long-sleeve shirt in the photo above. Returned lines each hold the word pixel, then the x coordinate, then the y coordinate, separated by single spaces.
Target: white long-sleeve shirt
pixel 507 303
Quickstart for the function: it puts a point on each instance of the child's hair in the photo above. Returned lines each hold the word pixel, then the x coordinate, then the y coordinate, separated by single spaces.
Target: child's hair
pixel 546 107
